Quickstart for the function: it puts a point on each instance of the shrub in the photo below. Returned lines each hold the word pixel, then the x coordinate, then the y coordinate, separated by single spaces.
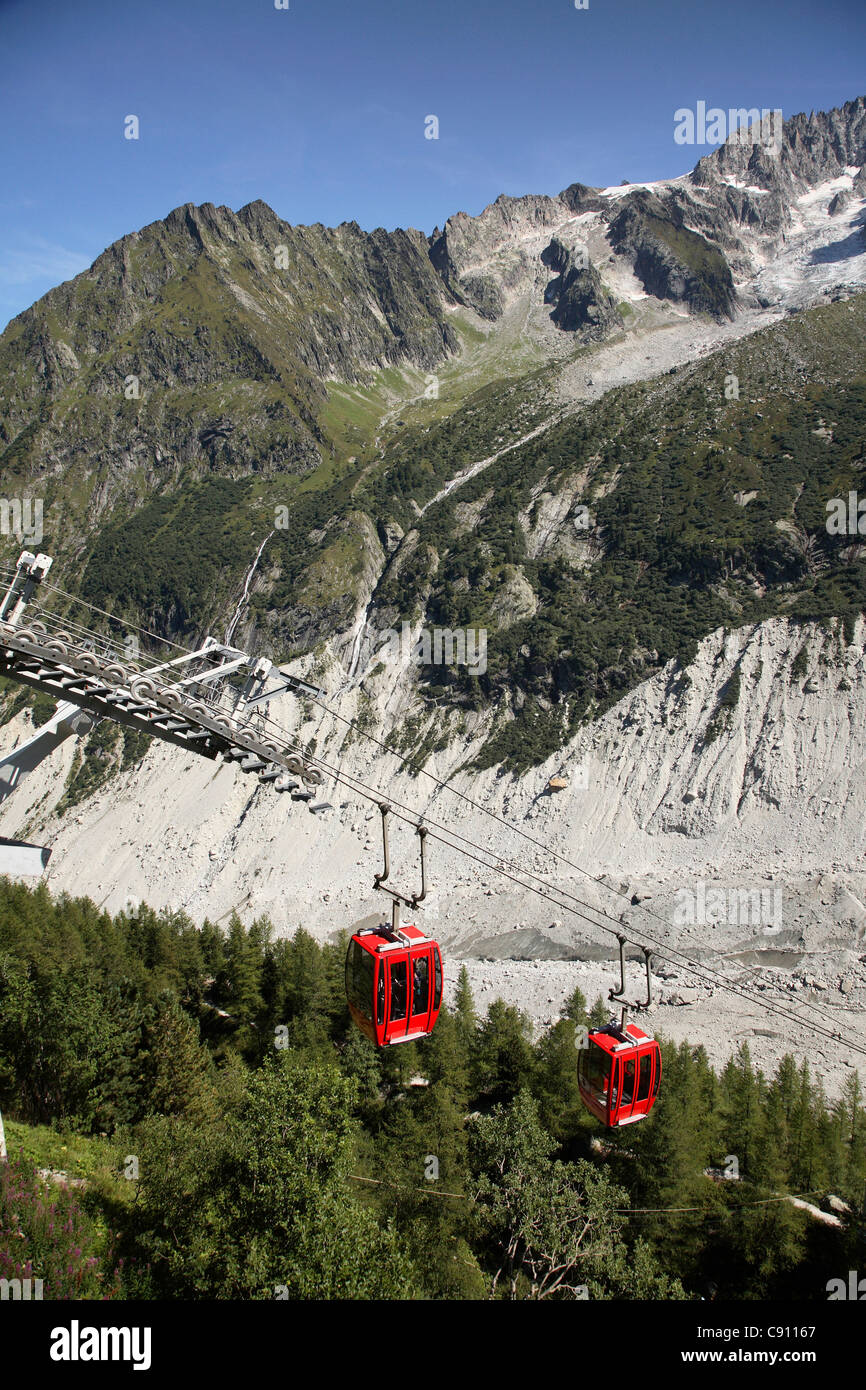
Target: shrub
pixel 45 1233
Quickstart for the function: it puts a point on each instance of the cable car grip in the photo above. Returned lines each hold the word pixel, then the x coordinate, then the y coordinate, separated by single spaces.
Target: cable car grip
pixel 379 878
pixel 617 996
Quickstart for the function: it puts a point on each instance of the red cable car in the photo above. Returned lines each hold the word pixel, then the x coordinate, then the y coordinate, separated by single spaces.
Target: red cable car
pixel 393 983
pixel 619 1074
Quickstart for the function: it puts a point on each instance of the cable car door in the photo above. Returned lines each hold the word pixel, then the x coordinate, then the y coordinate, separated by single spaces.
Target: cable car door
pixel 644 1076
pixel 629 1087
pixel 398 1011
pixel 420 969
pixel 613 1091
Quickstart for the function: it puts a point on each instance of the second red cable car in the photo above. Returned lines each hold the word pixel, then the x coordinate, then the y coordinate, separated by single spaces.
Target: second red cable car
pixel 619 1074
pixel 393 983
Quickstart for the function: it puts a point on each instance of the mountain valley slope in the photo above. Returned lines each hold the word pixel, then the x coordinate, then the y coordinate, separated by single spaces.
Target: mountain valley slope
pixel 432 460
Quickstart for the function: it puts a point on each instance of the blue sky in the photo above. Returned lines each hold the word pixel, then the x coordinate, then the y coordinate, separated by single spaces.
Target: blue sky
pixel 319 109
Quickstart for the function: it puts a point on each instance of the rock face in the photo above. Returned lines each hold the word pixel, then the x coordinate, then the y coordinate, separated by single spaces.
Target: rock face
pixel 671 261
pixel 781 791
pixel 687 239
pixel 580 298
pixel 201 345
pixel 485 260
pixel 812 149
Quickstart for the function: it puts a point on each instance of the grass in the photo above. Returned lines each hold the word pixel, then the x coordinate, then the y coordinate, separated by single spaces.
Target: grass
pixel 95 1160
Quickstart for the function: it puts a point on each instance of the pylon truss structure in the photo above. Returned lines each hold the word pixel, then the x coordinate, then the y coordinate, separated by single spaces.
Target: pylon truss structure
pixel 188 701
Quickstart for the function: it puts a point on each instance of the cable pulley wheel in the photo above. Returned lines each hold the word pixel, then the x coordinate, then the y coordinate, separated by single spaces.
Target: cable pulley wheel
pixel 143 689
pixel 115 674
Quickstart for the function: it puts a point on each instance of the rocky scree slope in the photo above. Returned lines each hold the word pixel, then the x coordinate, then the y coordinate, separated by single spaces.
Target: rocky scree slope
pixel 652 807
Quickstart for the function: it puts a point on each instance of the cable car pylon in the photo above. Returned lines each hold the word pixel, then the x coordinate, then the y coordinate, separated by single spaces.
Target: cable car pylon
pixel 186 701
pixel 394 973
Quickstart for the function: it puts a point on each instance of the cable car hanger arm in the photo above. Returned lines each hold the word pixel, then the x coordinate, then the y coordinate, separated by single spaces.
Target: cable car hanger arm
pixel 617 996
pixel 379 879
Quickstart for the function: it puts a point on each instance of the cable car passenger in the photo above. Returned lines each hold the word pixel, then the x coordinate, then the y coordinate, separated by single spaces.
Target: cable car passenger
pixel 398 988
pixel 420 985
pixel 380 998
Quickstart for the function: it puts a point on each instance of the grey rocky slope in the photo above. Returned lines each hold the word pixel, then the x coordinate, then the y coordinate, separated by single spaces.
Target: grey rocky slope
pixel 651 811
pixel 686 239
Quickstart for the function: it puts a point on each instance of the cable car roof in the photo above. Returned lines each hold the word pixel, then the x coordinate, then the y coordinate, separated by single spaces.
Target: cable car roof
pixel 614 1041
pixel 381 938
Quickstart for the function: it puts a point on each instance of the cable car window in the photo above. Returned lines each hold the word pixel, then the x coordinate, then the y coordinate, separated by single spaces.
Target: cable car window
pixel 421 984
pixel 360 970
pixel 658 1074
pixel 628 1083
pixel 380 995
pixel 398 989
pixel 437 979
pixel 643 1084
pixel 595 1067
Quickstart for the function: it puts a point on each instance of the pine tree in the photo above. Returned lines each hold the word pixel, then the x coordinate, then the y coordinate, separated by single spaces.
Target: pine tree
pixel 308 994
pixel 555 1085
pixel 443 1058
pixel 178 1069
pixel 599 1015
pixel 464 1009
pixel 239 985
pixel 851 1127
pixel 575 1008
pixel 503 1061
pixel 741 1108
pixel 804 1136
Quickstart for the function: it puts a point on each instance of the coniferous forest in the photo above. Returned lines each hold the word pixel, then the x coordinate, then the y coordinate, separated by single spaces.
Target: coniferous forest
pixel 190 1114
